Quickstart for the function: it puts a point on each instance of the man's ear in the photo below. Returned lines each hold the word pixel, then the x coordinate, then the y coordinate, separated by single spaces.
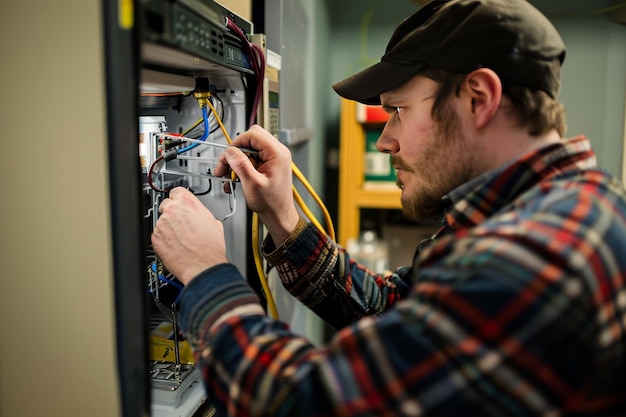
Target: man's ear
pixel 484 89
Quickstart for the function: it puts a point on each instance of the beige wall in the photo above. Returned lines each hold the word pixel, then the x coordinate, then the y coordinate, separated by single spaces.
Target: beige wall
pixel 57 354
pixel 241 7
pixel 57 331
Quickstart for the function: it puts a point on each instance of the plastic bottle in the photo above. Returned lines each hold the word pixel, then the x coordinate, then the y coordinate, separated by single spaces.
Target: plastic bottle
pixel 372 252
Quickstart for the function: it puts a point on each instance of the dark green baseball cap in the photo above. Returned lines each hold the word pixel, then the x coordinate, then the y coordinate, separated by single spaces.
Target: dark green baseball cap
pixel 510 37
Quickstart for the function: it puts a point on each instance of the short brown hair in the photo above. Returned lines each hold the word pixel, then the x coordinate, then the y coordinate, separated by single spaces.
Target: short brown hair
pixel 534 109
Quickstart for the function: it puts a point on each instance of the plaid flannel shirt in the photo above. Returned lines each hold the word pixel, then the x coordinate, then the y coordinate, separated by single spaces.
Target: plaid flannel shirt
pixel 517 309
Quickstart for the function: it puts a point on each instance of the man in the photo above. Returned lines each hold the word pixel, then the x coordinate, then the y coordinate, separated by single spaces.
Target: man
pixel 517 306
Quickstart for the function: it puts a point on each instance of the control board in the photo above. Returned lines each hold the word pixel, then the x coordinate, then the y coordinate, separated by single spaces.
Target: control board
pixel 191 35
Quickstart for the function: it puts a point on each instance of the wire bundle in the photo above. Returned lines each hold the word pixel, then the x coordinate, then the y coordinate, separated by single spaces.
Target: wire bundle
pixel 256 55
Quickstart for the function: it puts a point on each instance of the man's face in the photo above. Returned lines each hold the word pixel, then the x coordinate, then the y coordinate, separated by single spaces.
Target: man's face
pixel 431 158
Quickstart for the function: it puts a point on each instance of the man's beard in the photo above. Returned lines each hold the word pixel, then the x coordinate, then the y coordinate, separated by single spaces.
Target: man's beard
pixel 422 206
pixel 426 202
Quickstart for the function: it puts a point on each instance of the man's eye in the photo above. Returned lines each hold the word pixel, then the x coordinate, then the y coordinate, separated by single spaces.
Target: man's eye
pixel 392 109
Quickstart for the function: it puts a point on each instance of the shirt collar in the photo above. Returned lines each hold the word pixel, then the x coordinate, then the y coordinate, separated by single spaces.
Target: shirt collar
pixel 462 190
pixel 480 197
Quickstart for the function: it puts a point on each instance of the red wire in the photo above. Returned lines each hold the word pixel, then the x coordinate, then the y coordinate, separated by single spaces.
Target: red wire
pixel 259 92
pixel 257 60
pixel 150 171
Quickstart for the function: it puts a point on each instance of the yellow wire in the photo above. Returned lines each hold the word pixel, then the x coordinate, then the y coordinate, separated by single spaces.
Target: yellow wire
pixel 329 222
pixel 271 305
pixel 305 208
pixel 219 121
pixel 196 123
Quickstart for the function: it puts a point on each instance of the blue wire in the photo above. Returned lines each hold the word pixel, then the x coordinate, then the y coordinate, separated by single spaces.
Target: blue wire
pixel 168 281
pixel 205 135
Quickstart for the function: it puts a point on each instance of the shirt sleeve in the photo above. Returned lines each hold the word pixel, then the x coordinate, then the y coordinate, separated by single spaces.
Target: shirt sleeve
pixel 321 274
pixel 476 336
pixel 211 298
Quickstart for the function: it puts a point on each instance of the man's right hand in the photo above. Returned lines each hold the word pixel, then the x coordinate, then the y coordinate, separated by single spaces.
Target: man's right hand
pixel 268 186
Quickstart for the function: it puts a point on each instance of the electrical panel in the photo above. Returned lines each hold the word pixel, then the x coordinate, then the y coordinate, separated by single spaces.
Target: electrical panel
pixel 198 70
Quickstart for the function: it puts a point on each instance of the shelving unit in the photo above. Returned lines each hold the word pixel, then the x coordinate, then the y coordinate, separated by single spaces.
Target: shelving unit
pixel 354 192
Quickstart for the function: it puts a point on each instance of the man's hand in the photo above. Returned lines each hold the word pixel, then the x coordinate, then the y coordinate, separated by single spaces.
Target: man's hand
pixel 267 184
pixel 187 237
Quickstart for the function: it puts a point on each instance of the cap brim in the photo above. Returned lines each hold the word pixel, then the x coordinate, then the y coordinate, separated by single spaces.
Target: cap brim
pixel 366 86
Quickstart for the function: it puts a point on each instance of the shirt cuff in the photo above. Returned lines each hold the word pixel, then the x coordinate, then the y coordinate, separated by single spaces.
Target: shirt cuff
pixel 277 255
pixel 214 293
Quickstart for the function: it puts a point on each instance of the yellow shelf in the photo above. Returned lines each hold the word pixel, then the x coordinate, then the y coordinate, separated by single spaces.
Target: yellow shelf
pixel 354 192
pixel 378 199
